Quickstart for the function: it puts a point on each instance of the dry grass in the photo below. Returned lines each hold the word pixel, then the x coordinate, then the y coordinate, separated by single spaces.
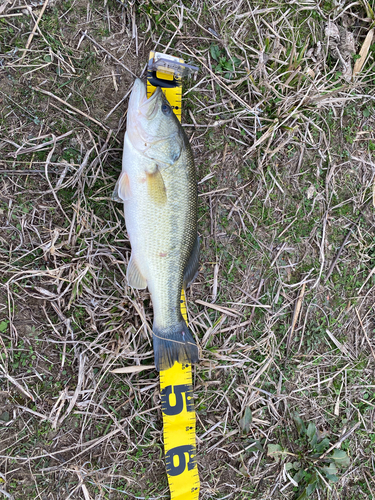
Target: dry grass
pixel 283 308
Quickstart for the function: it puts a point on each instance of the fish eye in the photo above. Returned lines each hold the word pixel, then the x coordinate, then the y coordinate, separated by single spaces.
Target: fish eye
pixel 167 110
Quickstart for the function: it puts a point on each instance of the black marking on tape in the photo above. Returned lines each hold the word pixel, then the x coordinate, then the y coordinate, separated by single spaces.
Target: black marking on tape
pixel 178 391
pixel 154 80
pixel 182 452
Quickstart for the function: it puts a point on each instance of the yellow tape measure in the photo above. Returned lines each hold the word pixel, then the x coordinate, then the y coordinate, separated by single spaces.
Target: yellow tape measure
pixel 176 387
pixel 173 94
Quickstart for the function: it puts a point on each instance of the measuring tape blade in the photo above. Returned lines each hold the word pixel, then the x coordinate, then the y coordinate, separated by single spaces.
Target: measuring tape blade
pixel 177 405
pixel 176 386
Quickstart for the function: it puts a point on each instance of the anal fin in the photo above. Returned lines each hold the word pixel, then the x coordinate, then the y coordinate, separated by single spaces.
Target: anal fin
pixel 135 278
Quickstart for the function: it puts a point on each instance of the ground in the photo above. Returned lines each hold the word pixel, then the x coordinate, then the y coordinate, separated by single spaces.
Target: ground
pixel 281 121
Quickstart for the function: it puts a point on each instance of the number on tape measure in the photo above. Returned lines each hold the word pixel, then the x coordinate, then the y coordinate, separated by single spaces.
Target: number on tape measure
pixel 186 455
pixel 177 392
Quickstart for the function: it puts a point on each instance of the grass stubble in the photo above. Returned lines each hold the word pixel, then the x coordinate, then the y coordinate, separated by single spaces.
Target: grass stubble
pixel 283 308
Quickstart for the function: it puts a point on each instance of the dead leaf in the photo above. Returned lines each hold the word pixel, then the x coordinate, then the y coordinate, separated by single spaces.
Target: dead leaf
pixel 347 44
pixel 341 45
pixel 4 6
pixel 276 452
pixel 310 72
pixel 297 310
pixel 133 369
pixel 226 310
pixel 278 48
pixel 298 306
pixel 310 192
pixel 86 492
pixel 363 52
pixel 347 72
pixel 338 344
pixel 336 410
pixel 246 420
pixel 332 31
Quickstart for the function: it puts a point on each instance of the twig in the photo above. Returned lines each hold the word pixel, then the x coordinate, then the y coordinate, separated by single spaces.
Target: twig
pixel 18 385
pixel 326 380
pixel 17 14
pixel 221 83
pixel 81 374
pixel 37 89
pixel 240 325
pixel 334 262
pixel 338 443
pixel 338 344
pixel 322 257
pixel 281 249
pixel 257 296
pixel 84 34
pixel 364 331
pixel 297 309
pixel 6 494
pixel 21 172
pixel 118 104
pixel 31 36
pixel 222 309
pixel 132 369
pixel 366 280
pixel 50 154
pixel 215 284
pixel 40 146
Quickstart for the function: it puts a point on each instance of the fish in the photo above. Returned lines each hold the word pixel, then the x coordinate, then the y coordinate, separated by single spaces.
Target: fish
pixel 158 187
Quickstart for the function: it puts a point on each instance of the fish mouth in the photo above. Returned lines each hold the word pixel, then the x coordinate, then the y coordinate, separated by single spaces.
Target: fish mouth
pixel 140 104
pixel 141 113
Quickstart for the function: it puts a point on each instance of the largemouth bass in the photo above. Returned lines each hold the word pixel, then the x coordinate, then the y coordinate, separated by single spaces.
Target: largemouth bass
pixel 159 189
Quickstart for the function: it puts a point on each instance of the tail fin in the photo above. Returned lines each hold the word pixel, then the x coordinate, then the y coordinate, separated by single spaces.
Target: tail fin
pixel 172 344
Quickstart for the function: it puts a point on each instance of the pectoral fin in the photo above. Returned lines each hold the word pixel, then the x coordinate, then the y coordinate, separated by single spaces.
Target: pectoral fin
pixel 156 187
pixel 192 266
pixel 135 278
pixel 122 188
